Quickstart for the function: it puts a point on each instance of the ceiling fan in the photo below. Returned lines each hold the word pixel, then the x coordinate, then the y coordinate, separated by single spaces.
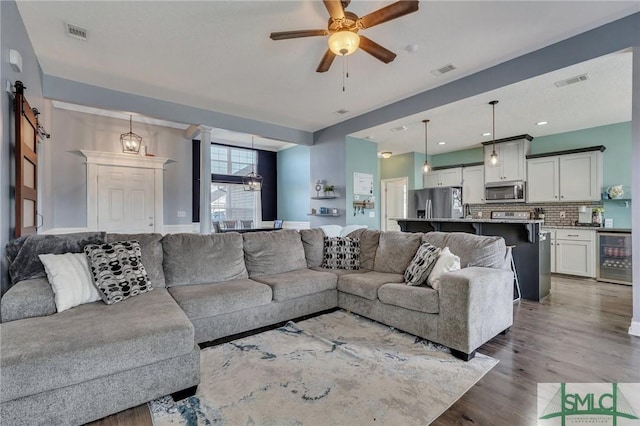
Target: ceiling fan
pixel 343 28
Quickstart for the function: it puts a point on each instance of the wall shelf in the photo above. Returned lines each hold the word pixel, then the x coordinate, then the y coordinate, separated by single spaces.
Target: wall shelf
pixel 327 215
pixel 324 197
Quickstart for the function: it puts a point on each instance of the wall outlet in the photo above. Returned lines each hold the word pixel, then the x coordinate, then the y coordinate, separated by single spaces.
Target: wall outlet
pixel 563 215
pixel 182 213
pixel 372 214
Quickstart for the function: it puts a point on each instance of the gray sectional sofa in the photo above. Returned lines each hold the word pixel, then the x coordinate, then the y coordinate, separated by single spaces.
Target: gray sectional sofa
pixel 94 360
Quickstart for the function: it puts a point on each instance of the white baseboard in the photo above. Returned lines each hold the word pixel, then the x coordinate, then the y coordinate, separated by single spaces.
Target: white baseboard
pixel 634 330
pixel 58 231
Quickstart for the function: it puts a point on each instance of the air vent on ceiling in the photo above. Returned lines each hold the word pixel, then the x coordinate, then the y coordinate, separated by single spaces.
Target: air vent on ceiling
pixel 76 32
pixel 572 80
pixel 341 111
pixel 443 70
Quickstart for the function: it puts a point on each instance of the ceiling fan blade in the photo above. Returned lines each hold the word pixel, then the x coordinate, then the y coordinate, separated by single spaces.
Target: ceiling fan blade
pixel 334 7
pixel 283 35
pixel 326 61
pixel 375 50
pixel 387 13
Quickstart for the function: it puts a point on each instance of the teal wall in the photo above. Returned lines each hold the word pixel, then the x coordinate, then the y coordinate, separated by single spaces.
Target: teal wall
pixel 362 157
pixel 464 156
pixel 616 160
pixel 293 184
pixel 407 165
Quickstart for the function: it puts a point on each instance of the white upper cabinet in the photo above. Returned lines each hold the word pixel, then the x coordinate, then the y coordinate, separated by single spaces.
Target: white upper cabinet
pixel 570 177
pixel 543 179
pixel 445 177
pixel 473 185
pixel 511 157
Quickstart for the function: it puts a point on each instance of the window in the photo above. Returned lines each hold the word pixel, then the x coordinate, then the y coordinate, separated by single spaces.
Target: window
pixel 229 201
pixel 226 160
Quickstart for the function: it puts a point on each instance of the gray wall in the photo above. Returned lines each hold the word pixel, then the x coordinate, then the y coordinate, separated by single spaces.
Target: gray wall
pixel 13 36
pixel 72 131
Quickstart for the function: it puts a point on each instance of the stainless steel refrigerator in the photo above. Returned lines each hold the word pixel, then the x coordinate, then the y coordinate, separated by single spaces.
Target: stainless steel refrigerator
pixel 445 202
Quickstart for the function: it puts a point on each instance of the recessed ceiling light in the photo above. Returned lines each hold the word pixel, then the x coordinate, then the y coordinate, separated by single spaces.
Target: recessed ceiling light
pixel 442 143
pixel 541 123
pixel 369 138
pixel 486 134
pixel 399 129
pixel 340 111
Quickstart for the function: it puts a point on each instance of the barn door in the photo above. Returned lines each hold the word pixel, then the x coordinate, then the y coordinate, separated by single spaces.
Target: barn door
pixel 26 165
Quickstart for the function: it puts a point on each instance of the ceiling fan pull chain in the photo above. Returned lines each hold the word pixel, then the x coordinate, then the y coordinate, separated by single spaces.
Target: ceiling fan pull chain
pixel 347 67
pixel 343 74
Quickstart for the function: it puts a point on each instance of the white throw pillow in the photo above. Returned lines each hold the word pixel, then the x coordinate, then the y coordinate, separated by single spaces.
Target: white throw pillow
pixel 70 279
pixel 447 262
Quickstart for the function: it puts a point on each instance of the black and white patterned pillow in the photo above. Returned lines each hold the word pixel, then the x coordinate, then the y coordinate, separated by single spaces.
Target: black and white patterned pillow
pixel 117 270
pixel 341 253
pixel 418 270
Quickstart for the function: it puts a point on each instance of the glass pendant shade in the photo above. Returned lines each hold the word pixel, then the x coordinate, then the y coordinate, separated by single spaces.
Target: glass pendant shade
pixel 426 167
pixel 344 42
pixel 252 181
pixel 494 160
pixel 130 141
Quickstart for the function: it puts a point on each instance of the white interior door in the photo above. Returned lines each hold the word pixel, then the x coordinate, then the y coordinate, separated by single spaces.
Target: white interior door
pixel 125 199
pixel 394 204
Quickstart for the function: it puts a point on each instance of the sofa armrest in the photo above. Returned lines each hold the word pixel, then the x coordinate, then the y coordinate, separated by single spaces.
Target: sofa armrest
pixel 475 305
pixel 27 299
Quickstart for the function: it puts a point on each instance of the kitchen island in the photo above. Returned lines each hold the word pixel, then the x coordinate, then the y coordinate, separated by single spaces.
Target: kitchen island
pixel 531 251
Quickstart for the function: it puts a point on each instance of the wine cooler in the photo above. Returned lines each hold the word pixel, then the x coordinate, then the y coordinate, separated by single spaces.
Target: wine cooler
pixel 614 257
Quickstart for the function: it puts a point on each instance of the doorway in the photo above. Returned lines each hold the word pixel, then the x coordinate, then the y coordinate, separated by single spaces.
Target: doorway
pixel 394 202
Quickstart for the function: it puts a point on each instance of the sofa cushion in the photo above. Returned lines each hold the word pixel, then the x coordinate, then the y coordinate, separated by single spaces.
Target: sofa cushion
pixel 341 253
pixel 70 279
pixel 24 251
pixel 474 250
pixel 302 282
pixel 91 341
pixel 395 251
pixel 313 243
pixel 208 300
pixel 273 252
pixel 366 285
pixel 421 299
pixel 340 272
pixel 117 270
pixel 421 265
pixel 151 248
pixel 199 259
pixel 27 299
pixel 368 246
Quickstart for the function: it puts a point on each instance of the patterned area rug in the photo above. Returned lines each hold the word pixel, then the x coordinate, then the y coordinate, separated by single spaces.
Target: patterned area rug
pixel 335 369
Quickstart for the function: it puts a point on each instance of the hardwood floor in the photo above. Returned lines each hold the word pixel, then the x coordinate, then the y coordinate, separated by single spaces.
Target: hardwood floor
pixel 577 334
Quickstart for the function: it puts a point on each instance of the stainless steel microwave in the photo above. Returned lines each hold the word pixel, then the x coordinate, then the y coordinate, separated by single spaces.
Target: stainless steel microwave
pixel 504 192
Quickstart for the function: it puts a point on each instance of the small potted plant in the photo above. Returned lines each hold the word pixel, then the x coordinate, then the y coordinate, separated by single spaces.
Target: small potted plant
pixel 329 190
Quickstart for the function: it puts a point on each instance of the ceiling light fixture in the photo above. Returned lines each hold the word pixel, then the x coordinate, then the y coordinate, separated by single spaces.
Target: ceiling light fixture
pixel 252 181
pixel 130 141
pixel 486 134
pixel 541 123
pixel 442 143
pixel 344 42
pixel 386 154
pixel 399 129
pixel 426 167
pixel 494 160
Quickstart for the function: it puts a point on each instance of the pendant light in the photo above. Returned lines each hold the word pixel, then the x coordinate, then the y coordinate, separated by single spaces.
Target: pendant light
pixel 426 167
pixel 252 181
pixel 130 141
pixel 494 160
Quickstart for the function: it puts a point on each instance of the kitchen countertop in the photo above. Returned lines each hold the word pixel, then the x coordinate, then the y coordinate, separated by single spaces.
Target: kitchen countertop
pixel 587 228
pixel 472 220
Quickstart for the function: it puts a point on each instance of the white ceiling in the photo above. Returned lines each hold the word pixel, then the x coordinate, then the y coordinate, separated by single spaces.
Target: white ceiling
pixel 217 55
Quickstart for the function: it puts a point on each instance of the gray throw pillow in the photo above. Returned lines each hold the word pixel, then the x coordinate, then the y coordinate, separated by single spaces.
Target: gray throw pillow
pixel 418 270
pixel 341 253
pixel 117 270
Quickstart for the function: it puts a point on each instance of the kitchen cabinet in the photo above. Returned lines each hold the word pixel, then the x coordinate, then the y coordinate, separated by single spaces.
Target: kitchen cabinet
pixel 444 177
pixel 473 185
pixel 511 164
pixel 573 252
pixel 570 177
pixel 552 237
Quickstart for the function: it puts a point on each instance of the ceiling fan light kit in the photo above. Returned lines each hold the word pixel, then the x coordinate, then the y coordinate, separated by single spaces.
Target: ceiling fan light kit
pixel 343 27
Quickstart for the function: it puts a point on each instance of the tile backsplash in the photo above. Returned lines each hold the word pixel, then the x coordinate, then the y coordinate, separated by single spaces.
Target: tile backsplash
pixel 551 210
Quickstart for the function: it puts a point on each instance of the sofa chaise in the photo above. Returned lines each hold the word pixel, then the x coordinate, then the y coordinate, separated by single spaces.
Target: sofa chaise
pixel 94 360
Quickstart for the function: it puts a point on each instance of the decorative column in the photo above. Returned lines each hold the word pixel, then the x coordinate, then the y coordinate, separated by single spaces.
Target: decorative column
pixel 205 180
pixel 635 190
